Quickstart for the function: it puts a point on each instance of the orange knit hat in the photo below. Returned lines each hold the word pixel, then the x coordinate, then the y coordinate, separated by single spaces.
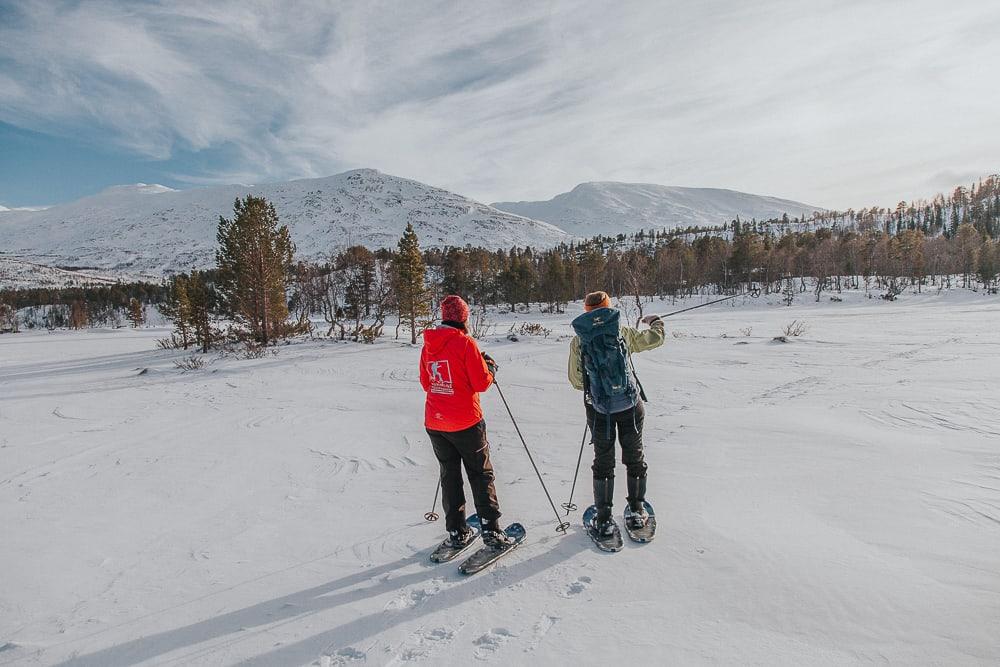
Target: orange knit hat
pixel 596 300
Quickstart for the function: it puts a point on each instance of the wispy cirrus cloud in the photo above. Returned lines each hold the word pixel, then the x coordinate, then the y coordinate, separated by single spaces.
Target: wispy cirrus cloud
pixel 830 102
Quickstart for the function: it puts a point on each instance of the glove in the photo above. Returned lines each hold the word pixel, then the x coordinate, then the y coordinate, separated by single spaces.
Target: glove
pixel 649 319
pixel 491 364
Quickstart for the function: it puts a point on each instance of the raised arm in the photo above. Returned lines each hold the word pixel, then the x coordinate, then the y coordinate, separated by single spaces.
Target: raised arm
pixel 650 339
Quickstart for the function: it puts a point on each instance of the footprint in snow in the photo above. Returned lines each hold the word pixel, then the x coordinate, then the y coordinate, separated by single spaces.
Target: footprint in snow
pixel 422 644
pixel 539 630
pixel 342 657
pixel 490 643
pixel 577 587
pixel 413 597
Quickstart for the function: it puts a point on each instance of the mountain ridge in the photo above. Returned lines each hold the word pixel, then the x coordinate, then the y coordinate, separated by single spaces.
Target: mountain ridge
pixel 611 207
pixel 152 228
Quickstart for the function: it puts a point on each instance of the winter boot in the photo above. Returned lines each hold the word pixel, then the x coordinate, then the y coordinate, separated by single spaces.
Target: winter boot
pixel 636 496
pixel 636 493
pixel 604 491
pixel 493 535
pixel 461 538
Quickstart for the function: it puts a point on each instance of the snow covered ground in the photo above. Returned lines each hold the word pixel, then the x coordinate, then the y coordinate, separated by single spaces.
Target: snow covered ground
pixel 831 500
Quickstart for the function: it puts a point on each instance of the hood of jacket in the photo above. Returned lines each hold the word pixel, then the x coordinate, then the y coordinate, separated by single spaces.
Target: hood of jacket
pixel 440 337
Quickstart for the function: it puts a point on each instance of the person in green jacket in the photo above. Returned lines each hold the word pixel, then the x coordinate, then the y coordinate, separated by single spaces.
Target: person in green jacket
pixel 612 400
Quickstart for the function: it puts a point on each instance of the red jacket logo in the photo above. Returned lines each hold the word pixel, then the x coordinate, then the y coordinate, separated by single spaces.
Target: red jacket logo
pixel 440 374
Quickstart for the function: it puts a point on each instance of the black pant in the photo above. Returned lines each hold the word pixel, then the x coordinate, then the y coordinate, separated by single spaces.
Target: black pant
pixel 628 424
pixel 469 447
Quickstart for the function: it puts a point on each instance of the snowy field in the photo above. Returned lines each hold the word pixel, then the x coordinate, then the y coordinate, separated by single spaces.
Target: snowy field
pixel 832 500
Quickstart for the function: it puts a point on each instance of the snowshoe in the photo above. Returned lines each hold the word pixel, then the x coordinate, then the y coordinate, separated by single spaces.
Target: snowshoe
pixel 641 526
pixel 456 544
pixel 607 537
pixel 497 546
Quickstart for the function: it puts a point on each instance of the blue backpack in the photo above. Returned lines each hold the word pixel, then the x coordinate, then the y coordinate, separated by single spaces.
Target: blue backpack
pixel 607 381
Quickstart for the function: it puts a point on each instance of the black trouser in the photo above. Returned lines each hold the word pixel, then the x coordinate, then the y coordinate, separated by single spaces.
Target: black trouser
pixel 628 425
pixel 469 447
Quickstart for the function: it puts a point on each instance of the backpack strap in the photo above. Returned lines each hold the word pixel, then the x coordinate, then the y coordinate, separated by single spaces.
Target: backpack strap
pixel 642 392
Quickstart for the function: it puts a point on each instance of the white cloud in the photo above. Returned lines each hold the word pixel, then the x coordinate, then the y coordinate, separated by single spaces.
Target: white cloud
pixel 834 103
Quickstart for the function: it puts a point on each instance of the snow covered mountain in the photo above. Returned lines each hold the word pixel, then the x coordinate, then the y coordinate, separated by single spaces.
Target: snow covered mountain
pixel 607 208
pixel 153 228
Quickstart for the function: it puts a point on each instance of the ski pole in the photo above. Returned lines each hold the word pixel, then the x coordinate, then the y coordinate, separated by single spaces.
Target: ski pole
pixel 432 515
pixel 563 526
pixel 755 292
pixel 570 506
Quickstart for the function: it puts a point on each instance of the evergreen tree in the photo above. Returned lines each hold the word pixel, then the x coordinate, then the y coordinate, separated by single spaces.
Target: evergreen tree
pixel 358 265
pixel 202 300
pixel 177 309
pixel 409 274
pixel 136 313
pixel 989 263
pixel 254 261
pixel 79 315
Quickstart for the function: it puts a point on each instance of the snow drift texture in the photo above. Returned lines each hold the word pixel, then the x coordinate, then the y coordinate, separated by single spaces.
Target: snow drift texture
pixel 829 501
pixel 591 209
pixel 153 228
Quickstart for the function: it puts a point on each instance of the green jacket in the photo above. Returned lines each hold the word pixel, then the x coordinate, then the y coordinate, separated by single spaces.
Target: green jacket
pixel 635 340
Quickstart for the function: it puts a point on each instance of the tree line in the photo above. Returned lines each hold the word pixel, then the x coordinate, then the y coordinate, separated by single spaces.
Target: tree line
pixel 78 307
pixel 351 289
pixel 256 292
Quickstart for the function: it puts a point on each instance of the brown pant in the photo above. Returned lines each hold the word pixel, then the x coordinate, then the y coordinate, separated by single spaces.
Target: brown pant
pixel 468 447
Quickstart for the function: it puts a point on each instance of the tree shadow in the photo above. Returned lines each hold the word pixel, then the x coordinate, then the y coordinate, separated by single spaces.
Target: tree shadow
pixel 322 598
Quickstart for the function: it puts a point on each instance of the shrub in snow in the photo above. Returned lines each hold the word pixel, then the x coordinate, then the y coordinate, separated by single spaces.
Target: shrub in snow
pixel 190 363
pixel 529 329
pixel 480 326
pixel 796 328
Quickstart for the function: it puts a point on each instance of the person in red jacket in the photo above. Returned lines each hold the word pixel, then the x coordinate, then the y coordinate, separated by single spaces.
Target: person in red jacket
pixel 453 372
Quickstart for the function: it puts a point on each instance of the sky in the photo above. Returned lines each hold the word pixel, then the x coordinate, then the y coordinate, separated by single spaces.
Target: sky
pixel 833 103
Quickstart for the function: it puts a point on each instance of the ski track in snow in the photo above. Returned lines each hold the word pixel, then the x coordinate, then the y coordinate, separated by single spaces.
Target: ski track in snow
pixel 831 500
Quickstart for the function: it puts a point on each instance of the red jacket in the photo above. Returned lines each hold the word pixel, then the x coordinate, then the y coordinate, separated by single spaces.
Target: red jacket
pixel 452 372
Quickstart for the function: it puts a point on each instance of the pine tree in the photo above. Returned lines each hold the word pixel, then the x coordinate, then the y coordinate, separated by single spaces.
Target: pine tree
pixel 79 317
pixel 180 307
pixel 254 260
pixel 967 243
pixel 989 263
pixel 358 265
pixel 201 305
pixel 136 313
pixel 409 275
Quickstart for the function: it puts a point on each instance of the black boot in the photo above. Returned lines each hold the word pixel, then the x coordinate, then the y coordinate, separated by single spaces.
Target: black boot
pixel 604 491
pixel 461 538
pixel 494 536
pixel 636 493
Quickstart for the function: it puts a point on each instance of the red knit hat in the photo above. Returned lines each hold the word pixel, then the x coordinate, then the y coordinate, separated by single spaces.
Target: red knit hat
pixel 454 309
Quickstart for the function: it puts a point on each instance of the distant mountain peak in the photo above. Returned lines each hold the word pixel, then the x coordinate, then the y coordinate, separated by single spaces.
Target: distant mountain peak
pixel 124 229
pixel 144 188
pixel 611 207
